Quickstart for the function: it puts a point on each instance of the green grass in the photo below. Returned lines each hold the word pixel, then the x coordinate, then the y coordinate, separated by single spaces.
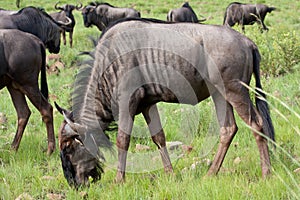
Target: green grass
pixel 31 171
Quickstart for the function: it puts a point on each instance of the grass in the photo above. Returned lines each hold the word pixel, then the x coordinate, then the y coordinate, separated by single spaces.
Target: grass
pixel 30 171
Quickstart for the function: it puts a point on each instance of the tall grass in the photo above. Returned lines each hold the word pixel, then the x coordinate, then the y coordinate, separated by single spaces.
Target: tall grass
pixel 30 171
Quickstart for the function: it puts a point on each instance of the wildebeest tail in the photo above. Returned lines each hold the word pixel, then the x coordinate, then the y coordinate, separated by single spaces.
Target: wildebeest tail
pixel 270 9
pixel 262 104
pixel 225 16
pixel 44 85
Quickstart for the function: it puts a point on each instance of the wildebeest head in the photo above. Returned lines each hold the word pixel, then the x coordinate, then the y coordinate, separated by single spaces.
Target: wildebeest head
pixel 88 12
pixel 78 162
pixel 53 44
pixel 68 8
pixel 52 40
pixel 95 15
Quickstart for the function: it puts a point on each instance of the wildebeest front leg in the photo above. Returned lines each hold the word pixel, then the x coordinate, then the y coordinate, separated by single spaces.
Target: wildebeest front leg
pixel 228 130
pixel 152 118
pixel 264 26
pixel 46 110
pixel 64 36
pixel 71 38
pixel 123 140
pixel 23 113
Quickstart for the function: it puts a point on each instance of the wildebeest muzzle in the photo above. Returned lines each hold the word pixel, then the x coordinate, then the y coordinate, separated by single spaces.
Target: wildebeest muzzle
pixel 77 162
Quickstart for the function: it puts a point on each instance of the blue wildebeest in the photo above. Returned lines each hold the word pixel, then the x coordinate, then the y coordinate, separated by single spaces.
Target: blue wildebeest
pixel 22 57
pixel 36 22
pixel 183 14
pixel 101 14
pixel 65 15
pixel 138 63
pixel 246 14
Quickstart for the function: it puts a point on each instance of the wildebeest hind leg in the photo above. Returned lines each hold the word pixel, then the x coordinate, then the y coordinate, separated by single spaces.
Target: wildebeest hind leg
pixel 244 107
pixel 228 130
pixel 152 118
pixel 23 113
pixel 46 110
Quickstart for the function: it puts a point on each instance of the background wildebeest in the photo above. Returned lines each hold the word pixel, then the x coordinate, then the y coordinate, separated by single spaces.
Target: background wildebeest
pixel 177 63
pixel 246 14
pixel 65 14
pixel 22 57
pixel 101 14
pixel 36 22
pixel 183 14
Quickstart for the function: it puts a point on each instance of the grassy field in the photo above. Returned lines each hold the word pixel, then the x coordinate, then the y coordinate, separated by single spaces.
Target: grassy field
pixel 31 174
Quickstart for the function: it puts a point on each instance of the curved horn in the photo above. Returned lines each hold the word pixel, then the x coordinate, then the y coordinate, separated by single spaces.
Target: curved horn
pixel 78 7
pixel 94 3
pixel 90 7
pixel 58 7
pixel 69 21
pixel 61 110
pixel 75 126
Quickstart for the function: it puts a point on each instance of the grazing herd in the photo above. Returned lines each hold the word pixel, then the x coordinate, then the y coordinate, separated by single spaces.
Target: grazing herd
pixel 182 63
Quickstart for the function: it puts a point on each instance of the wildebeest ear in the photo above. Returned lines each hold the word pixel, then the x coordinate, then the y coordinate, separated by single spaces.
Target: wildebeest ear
pixel 68 139
pixel 62 110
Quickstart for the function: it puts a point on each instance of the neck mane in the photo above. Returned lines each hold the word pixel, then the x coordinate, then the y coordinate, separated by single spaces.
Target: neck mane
pixel 24 20
pixel 91 103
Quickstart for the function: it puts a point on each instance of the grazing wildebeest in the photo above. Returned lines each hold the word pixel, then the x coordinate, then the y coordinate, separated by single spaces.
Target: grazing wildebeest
pixel 140 62
pixel 36 22
pixel 246 14
pixel 65 14
pixel 101 14
pixel 183 14
pixel 22 57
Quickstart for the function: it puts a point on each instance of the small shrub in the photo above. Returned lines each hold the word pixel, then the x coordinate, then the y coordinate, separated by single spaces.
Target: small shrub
pixel 280 51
